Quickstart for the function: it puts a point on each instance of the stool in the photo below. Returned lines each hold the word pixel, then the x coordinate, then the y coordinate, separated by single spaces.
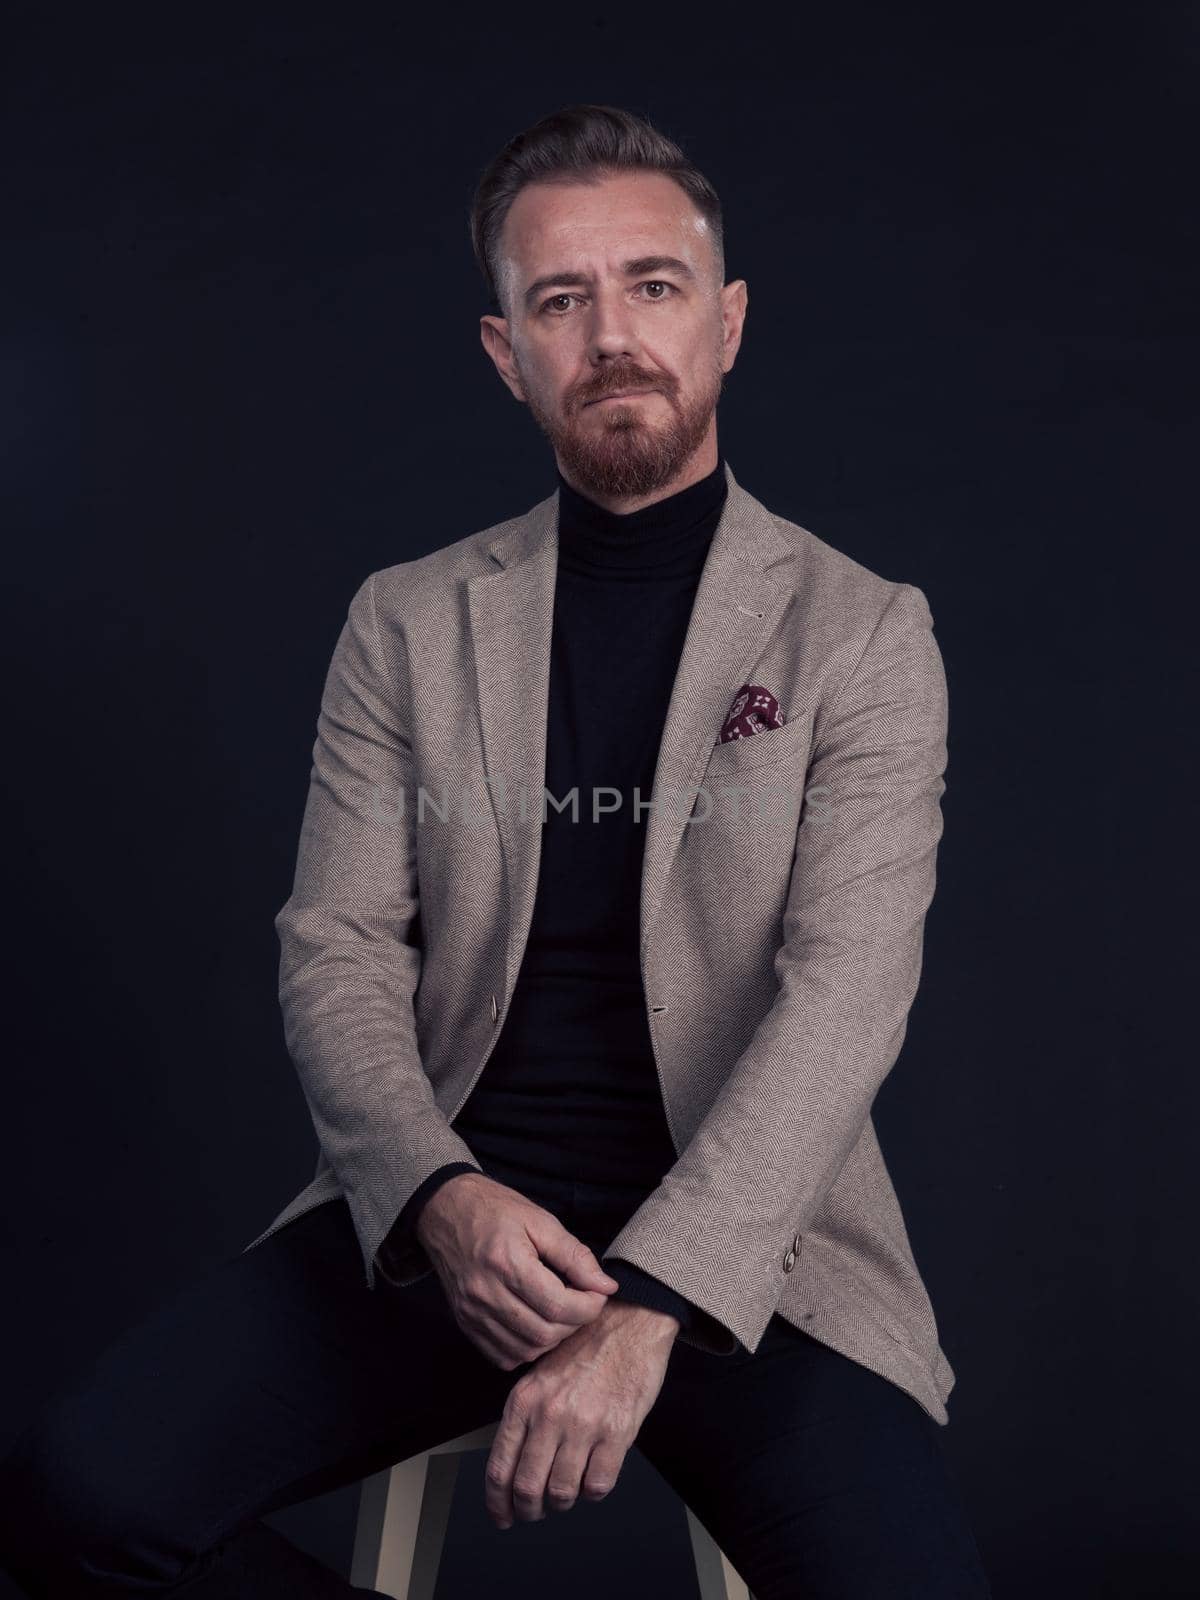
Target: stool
pixel 402 1517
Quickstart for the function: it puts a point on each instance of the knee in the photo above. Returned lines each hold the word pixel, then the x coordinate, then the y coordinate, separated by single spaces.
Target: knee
pixel 71 1520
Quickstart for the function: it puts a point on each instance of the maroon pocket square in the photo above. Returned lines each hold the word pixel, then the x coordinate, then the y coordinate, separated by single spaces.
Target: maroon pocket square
pixel 754 709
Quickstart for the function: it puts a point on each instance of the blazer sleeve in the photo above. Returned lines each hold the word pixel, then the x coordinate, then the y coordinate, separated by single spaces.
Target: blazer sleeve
pixel 350 955
pixel 720 1225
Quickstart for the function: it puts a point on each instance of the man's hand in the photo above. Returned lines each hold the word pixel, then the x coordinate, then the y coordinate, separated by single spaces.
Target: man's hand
pixel 569 1421
pixel 499 1256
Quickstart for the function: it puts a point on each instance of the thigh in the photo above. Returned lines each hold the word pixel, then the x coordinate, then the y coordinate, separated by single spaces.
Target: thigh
pixel 815 1475
pixel 273 1376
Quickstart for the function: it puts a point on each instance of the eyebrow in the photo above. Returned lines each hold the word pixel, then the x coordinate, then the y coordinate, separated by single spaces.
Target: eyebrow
pixel 631 269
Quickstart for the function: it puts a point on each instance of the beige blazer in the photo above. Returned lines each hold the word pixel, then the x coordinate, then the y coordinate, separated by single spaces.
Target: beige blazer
pixel 786 877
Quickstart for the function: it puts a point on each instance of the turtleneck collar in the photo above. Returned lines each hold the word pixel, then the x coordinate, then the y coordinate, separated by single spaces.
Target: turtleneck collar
pixel 671 535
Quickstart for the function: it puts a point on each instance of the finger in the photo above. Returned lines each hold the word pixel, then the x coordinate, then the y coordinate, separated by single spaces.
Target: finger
pixel 548 1298
pixel 566 1475
pixel 560 1248
pixel 501 1467
pixel 526 1323
pixel 514 1332
pixel 603 1469
pixel 530 1298
pixel 493 1340
pixel 533 1469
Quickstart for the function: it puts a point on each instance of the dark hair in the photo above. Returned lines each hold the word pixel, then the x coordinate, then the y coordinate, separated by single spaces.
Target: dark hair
pixel 580 144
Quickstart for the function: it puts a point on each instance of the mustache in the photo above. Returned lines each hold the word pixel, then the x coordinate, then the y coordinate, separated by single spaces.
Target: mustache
pixel 619 385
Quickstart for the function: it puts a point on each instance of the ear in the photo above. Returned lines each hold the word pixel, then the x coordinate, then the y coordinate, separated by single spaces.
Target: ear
pixel 493 331
pixel 734 301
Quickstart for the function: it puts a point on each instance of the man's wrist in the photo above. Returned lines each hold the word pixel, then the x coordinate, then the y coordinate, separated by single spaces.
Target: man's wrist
pixel 438 1198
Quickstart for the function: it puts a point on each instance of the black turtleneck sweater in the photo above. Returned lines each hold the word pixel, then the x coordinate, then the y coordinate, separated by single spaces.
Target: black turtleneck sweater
pixel 570 1089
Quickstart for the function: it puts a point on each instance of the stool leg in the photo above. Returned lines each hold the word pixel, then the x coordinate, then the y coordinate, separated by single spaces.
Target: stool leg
pixel 368 1529
pixel 403 1513
pixel 715 1573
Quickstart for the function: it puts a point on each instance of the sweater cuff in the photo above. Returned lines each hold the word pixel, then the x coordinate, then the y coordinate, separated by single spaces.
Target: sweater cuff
pixel 646 1290
pixel 697 1327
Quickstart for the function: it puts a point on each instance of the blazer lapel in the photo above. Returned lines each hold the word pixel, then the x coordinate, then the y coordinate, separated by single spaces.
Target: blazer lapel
pixel 512 616
pixel 736 609
pixel 511 612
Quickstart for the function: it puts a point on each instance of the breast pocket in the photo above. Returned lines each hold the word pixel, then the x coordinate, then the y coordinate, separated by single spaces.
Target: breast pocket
pixel 755 786
pixel 763 748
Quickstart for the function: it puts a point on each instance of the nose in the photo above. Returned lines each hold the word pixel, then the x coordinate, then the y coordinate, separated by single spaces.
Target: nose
pixel 612 332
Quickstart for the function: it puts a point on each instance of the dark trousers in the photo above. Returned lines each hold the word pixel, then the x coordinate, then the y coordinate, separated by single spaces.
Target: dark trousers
pixel 278 1375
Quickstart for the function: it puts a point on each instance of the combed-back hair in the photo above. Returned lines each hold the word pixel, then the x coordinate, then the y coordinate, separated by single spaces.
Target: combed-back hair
pixel 579 144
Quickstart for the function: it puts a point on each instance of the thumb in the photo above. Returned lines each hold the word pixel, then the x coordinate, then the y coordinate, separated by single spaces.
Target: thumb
pixel 572 1258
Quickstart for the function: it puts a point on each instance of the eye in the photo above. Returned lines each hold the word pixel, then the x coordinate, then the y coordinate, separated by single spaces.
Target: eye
pixel 660 283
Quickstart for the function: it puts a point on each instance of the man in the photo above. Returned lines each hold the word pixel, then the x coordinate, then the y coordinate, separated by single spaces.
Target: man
pixel 606 922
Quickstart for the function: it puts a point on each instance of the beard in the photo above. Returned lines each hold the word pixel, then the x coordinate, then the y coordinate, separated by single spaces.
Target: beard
pixel 622 450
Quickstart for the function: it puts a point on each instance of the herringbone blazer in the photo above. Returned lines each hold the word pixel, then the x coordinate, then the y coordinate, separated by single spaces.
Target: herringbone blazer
pixel 785 882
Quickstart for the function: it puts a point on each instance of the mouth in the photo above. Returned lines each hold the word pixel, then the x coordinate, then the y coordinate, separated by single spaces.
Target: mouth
pixel 623 394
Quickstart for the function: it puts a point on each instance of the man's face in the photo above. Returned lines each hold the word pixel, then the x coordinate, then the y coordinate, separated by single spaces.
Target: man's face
pixel 589 314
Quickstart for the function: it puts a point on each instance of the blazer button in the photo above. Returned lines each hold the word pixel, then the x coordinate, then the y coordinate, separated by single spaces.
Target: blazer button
pixel 789 1261
pixel 796 1244
pixel 495 1009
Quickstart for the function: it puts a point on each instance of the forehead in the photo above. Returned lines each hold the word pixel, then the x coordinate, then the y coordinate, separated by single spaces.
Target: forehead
pixel 573 225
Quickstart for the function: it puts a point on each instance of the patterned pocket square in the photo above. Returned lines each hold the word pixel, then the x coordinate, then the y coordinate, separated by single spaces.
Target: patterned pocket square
pixel 754 709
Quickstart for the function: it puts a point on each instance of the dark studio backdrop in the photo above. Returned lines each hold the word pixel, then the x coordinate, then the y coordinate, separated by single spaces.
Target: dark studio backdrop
pixel 241 369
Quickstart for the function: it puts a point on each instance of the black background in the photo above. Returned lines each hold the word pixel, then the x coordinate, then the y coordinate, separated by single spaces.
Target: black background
pixel 241 368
